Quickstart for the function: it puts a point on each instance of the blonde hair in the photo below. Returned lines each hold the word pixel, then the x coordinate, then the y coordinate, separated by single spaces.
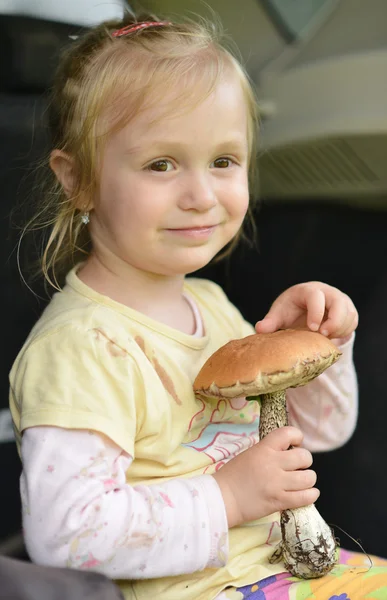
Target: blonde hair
pixel 115 77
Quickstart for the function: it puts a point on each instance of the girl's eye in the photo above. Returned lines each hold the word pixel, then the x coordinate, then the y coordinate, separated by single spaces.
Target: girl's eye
pixel 222 163
pixel 161 166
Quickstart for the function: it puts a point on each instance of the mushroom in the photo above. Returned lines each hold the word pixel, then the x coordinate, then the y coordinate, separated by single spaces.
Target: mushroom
pixel 261 367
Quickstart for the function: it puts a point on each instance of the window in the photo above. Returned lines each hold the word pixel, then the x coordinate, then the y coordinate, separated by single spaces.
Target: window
pixel 293 17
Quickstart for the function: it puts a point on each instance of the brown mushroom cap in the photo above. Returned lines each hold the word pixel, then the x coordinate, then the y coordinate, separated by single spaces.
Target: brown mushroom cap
pixel 265 362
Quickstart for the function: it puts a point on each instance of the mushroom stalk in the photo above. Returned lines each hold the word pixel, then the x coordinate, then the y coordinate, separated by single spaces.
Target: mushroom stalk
pixel 308 547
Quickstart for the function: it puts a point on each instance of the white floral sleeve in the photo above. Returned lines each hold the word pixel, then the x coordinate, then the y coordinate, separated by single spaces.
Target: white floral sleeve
pixel 326 409
pixel 78 511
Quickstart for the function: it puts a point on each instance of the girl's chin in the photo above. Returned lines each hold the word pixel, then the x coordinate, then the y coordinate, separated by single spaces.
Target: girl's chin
pixel 191 266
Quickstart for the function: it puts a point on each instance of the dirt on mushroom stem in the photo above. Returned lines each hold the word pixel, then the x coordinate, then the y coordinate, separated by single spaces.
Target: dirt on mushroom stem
pixel 308 547
pixel 274 413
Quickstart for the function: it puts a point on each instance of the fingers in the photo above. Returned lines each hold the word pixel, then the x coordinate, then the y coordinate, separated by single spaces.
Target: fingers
pixel 282 314
pixel 267 325
pixel 297 458
pixel 315 307
pixel 302 302
pixel 342 318
pixel 283 438
pixel 301 498
pixel 300 480
pixel 273 321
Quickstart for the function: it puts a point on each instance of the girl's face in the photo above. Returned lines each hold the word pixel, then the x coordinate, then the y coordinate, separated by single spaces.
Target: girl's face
pixel 174 189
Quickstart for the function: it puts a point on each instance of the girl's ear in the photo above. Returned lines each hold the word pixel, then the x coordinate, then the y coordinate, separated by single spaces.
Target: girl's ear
pixel 63 166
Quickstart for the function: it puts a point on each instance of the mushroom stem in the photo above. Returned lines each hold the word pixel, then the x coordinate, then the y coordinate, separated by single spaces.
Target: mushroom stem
pixel 308 547
pixel 273 412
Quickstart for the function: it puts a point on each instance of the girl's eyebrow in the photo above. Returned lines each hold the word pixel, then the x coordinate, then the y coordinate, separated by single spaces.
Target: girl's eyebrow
pixel 236 144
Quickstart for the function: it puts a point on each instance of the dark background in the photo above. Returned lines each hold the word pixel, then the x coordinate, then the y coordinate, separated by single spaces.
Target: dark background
pixel 341 244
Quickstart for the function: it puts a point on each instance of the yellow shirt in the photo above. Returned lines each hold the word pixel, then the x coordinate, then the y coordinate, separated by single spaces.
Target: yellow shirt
pixel 92 363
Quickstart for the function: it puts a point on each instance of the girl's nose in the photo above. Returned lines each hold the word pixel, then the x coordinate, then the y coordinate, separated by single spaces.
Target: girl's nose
pixel 198 193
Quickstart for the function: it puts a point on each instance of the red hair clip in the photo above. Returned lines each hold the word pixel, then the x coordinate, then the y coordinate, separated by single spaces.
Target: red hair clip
pixel 137 26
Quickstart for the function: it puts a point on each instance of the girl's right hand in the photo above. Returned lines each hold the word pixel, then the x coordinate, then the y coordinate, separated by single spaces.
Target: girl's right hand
pixel 267 478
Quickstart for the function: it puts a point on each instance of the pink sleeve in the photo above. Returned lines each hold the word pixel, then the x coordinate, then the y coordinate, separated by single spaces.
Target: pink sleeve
pixel 79 512
pixel 326 408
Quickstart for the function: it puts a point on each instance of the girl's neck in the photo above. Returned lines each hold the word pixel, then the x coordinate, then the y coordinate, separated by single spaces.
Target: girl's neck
pixel 159 297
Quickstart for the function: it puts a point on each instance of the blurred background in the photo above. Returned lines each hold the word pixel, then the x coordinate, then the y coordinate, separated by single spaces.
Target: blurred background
pixel 319 68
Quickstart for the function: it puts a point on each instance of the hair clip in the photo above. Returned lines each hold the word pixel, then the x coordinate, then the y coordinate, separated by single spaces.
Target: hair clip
pixel 137 26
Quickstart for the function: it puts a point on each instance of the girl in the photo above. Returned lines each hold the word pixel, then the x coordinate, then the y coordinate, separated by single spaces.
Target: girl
pixel 124 471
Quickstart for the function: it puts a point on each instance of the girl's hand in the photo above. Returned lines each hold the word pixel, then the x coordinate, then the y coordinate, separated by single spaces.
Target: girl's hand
pixel 268 478
pixel 315 305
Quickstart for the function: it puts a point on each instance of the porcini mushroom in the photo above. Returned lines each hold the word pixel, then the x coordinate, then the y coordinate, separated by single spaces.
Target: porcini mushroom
pixel 261 367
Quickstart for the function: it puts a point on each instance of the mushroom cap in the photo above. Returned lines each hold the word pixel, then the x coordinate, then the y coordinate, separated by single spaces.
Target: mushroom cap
pixel 265 362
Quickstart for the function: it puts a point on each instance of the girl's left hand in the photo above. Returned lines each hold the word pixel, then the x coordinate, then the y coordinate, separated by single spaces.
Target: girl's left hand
pixel 315 305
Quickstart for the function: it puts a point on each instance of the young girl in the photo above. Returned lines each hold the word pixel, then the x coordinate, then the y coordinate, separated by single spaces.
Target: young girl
pixel 124 471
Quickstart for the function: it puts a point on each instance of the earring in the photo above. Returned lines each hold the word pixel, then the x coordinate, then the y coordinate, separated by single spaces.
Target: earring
pixel 85 218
